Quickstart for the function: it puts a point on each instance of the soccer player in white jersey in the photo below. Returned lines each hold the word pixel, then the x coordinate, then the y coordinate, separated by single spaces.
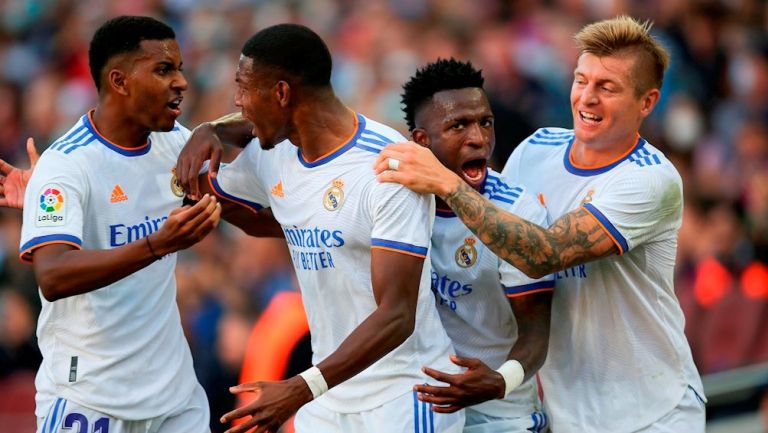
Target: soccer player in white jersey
pixel 618 359
pixel 447 110
pixel 101 228
pixel 359 248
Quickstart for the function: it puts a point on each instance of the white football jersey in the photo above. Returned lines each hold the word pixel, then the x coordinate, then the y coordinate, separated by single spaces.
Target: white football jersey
pixel 618 358
pixel 120 349
pixel 333 211
pixel 471 285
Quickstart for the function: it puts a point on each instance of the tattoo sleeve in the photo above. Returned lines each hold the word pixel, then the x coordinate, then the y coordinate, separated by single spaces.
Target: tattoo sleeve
pixel 573 239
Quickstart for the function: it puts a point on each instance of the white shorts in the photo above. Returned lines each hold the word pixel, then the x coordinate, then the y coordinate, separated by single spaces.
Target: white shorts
pixel 69 417
pixel 688 416
pixel 404 414
pixel 478 422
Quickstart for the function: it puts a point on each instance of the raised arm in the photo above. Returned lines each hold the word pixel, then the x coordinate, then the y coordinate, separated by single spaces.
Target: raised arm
pixel 573 239
pixel 205 144
pixel 388 326
pixel 62 270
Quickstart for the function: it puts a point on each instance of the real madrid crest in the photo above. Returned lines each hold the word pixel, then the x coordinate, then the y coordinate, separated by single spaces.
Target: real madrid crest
pixel 588 197
pixel 176 188
pixel 333 197
pixel 466 255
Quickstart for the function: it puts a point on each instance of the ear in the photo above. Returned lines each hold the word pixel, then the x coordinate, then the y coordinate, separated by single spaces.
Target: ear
pixel 420 136
pixel 283 93
pixel 116 79
pixel 648 102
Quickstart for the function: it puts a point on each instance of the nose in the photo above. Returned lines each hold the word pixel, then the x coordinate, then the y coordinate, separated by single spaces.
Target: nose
pixel 589 95
pixel 180 82
pixel 238 98
pixel 476 136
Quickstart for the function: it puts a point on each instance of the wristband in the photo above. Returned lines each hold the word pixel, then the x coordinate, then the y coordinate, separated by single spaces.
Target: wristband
pixel 151 250
pixel 513 374
pixel 315 380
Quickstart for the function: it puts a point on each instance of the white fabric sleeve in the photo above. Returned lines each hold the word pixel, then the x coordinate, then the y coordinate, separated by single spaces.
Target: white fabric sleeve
pixel 639 206
pixel 402 219
pixel 243 181
pixel 53 205
pixel 514 281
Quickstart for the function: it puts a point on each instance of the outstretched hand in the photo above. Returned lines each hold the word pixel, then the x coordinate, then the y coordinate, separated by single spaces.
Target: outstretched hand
pixel 477 384
pixel 13 180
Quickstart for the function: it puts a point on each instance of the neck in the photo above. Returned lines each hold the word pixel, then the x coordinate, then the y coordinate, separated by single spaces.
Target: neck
pixel 586 154
pixel 323 124
pixel 114 125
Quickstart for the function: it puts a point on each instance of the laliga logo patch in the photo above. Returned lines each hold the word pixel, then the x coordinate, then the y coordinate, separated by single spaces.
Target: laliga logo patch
pixel 51 210
pixel 176 185
pixel 333 197
pixel 588 197
pixel 466 255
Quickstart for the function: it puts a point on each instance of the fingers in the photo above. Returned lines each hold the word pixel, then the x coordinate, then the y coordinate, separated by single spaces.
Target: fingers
pixel 210 208
pixel 446 409
pixel 470 363
pixel 439 375
pixel 213 166
pixel 193 186
pixel 382 161
pixel 244 427
pixel 32 152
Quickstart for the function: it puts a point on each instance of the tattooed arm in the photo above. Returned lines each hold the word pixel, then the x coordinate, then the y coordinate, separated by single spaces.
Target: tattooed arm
pixel 573 239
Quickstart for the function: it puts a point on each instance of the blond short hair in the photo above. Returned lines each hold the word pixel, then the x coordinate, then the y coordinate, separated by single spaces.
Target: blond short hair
pixel 625 35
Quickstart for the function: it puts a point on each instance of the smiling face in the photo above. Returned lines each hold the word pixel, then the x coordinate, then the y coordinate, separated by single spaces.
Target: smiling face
pixel 458 127
pixel 154 84
pixel 262 99
pixel 604 103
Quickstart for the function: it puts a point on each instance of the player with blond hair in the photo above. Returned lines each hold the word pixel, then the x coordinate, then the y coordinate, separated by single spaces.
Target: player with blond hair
pixel 618 358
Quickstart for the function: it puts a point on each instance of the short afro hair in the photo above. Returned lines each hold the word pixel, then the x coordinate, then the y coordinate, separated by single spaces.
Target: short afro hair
pixel 435 77
pixel 120 35
pixel 294 49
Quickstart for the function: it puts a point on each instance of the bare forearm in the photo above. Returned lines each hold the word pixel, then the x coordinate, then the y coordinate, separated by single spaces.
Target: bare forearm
pixel 233 128
pixel 529 247
pixel 376 336
pixel 75 272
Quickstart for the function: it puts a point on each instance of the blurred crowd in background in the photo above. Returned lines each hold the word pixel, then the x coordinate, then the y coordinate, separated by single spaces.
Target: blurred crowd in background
pixel 712 121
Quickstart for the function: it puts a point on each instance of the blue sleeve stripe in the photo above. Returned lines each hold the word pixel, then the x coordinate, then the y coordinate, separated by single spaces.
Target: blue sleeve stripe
pixel 69 138
pixel 34 242
pixel 86 140
pixel 546 131
pixel 376 134
pixel 373 141
pixel 501 199
pixel 376 150
pixel 401 246
pixel 620 241
pixel 523 288
pixel 219 191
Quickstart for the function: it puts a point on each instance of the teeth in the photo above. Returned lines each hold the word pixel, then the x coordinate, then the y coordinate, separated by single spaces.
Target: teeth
pixel 589 116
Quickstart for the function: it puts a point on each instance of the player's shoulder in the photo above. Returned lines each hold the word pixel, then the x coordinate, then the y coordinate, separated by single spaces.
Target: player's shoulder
pixel 373 136
pixel 80 136
pixel 549 137
pixel 501 191
pixel 648 162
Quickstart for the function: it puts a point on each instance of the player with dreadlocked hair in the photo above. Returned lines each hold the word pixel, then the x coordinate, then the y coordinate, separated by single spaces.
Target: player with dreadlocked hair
pixel 447 110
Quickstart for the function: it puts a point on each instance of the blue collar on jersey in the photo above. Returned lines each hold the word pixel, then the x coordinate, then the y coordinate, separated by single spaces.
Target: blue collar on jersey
pixel 335 153
pixel 597 170
pixel 127 151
